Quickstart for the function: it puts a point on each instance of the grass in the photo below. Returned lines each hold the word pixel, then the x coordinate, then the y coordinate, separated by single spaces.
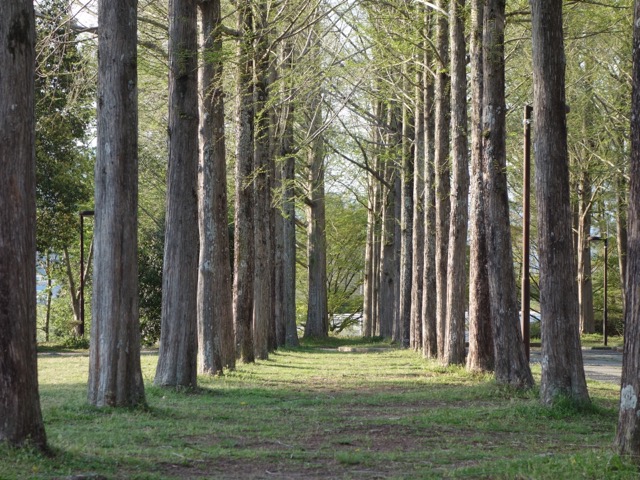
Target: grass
pixel 314 412
pixel 591 340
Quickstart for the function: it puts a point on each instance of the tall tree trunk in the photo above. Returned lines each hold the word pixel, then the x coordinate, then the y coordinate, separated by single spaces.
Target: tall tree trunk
pixel 115 375
pixel 317 325
pixel 418 240
pixel 368 311
pixel 511 363
pixel 442 169
pixel 177 359
pixel 388 277
pixel 263 312
pixel 585 286
pixel 454 348
pixel 288 220
pixel 403 325
pixel 628 433
pixel 216 339
pixel 244 261
pixel 19 398
pixel 562 369
pixel 481 355
pixel 429 322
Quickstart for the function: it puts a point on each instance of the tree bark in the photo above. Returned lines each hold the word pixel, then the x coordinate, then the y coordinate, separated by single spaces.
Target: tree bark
pixel 244 261
pixel 481 355
pixel 511 364
pixel 288 222
pixel 177 359
pixel 628 433
pixel 429 322
pixel 20 415
pixel 562 369
pixel 216 339
pixel 317 325
pixel 115 375
pixel 585 286
pixel 263 310
pixel 403 325
pixel 388 278
pixel 418 239
pixel 442 172
pixel 454 348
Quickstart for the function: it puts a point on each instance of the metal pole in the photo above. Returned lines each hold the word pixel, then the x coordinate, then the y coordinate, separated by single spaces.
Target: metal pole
pixel 604 316
pixel 526 215
pixel 81 326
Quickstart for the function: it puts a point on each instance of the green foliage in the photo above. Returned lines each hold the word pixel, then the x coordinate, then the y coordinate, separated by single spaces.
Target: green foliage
pixel 61 319
pixel 150 257
pixel 64 115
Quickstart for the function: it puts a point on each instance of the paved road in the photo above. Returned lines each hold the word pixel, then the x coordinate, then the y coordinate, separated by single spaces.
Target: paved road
pixel 602 365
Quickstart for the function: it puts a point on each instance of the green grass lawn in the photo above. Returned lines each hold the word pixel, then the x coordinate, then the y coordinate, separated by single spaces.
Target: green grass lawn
pixel 315 412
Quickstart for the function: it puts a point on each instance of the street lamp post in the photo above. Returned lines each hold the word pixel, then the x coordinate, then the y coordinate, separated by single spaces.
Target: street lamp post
pixel 526 214
pixel 84 213
pixel 604 310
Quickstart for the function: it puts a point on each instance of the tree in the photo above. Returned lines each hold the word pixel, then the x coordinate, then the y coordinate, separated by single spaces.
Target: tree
pixel 562 368
pixel 511 363
pixel 317 324
pixel 627 439
pixel 115 376
pixel 481 355
pixel 19 398
pixel 429 320
pixel 288 212
pixel 216 339
pixel 264 169
pixel 442 170
pixel 454 343
pixel 244 261
pixel 177 360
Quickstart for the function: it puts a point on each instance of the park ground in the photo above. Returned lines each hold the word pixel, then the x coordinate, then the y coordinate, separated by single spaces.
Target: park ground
pixel 320 412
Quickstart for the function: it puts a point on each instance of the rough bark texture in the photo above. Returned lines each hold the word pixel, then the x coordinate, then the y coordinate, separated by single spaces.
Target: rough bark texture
pixel 429 333
pixel 216 339
pixel 562 369
pixel 388 278
pixel 289 231
pixel 628 433
pixel 368 321
pixel 454 348
pixel 20 416
pixel 244 262
pixel 177 360
pixel 403 325
pixel 481 355
pixel 585 286
pixel 443 171
pixel 418 240
pixel 511 364
pixel 115 376
pixel 263 310
pixel 317 325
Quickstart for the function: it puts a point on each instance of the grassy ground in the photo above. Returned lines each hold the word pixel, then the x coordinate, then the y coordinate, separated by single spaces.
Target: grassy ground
pixel 314 412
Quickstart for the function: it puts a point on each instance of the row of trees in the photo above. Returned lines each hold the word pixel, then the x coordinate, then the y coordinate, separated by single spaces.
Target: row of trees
pixel 415 274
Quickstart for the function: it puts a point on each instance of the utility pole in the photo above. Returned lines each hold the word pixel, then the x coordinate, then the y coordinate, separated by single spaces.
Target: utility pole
pixel 525 303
